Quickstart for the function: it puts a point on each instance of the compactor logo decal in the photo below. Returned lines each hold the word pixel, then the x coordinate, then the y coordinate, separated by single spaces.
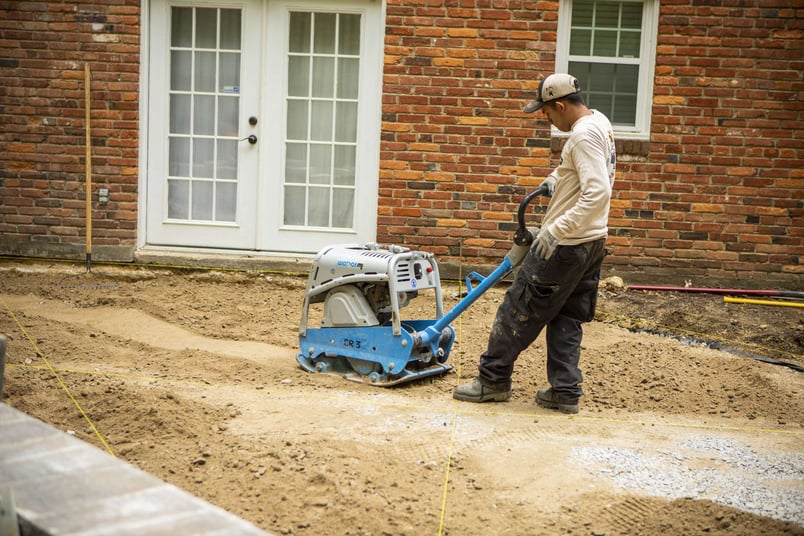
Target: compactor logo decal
pixel 351 264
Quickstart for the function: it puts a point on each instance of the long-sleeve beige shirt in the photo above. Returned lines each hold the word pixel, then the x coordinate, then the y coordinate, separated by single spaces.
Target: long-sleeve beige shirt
pixel 579 209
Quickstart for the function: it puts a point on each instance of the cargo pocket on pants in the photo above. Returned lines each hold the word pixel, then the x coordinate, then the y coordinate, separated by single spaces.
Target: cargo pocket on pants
pixel 583 302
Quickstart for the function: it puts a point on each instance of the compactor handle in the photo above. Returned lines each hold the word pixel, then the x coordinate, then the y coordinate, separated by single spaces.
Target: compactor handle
pixel 523 237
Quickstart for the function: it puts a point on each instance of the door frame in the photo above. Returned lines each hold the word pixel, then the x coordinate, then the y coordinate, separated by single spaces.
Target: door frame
pixel 237 235
pixel 368 145
pixel 367 181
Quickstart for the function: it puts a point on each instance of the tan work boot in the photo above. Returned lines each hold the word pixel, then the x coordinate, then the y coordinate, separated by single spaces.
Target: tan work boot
pixel 547 398
pixel 475 391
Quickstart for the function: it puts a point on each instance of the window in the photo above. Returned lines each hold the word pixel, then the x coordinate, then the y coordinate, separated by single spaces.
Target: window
pixel 610 46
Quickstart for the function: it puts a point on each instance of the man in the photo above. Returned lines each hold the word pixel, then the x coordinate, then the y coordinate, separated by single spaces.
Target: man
pixel 556 286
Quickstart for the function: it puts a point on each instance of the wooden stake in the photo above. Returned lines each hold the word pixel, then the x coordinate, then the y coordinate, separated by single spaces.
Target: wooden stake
pixel 88 163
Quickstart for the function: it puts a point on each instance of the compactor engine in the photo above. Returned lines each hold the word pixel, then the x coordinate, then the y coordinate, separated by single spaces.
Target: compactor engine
pixel 362 335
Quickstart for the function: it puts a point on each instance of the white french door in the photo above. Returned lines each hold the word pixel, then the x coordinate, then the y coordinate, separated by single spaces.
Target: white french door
pixel 263 124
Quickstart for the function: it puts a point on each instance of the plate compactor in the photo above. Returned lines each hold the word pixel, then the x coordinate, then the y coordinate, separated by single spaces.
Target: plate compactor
pixel 362 335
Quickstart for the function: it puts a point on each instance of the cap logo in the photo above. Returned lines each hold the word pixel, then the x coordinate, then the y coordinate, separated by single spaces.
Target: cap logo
pixel 555 86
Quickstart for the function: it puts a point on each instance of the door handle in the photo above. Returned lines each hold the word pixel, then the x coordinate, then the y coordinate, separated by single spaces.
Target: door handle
pixel 251 139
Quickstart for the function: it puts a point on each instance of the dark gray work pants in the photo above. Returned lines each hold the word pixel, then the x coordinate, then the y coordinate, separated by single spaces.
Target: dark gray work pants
pixel 560 293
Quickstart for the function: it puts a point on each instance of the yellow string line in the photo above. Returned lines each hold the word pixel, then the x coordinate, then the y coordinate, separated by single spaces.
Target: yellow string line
pixel 450 450
pixel 454 427
pixel 56 375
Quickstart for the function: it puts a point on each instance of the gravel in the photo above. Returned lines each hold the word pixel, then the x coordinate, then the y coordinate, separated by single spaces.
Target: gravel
pixel 722 470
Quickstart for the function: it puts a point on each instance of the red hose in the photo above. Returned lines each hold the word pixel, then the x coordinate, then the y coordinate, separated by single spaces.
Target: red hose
pixel 729 291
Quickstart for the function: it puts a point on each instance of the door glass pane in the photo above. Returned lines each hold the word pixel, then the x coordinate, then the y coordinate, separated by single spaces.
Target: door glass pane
pixel 181 27
pixel 225 201
pixel 343 204
pixel 297 119
pixel 322 119
pixel 179 158
pixel 320 164
pixel 203 157
pixel 299 76
pixel 348 34
pixel 324 33
pixel 206 28
pixel 202 200
pixel 296 163
pixel 226 166
pixel 178 199
pixel 205 71
pixel 229 72
pixel 323 77
pixel 300 32
pixel 344 172
pixel 318 211
pixel 348 75
pixel 204 113
pixel 230 29
pixel 180 114
pixel 346 122
pixel 294 205
pixel 227 116
pixel 181 66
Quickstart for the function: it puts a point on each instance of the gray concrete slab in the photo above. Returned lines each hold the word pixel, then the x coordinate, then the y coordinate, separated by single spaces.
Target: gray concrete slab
pixel 64 486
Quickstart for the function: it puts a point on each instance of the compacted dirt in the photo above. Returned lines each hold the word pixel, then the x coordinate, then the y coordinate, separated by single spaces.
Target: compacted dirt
pixel 191 375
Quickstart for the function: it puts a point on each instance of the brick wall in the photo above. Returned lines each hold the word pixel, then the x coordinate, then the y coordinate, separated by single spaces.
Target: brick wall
pixel 457 154
pixel 716 194
pixel 42 170
pixel 722 190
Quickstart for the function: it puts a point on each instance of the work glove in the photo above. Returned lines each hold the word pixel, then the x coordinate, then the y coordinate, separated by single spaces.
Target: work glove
pixel 545 244
pixel 550 182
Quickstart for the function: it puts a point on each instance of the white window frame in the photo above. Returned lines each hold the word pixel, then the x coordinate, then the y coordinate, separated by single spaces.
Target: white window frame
pixel 647 63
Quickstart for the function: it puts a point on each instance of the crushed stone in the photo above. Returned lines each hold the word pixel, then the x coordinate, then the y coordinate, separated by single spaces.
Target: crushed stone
pixel 722 470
